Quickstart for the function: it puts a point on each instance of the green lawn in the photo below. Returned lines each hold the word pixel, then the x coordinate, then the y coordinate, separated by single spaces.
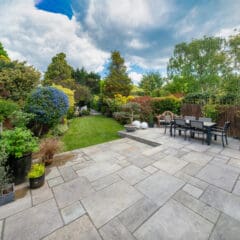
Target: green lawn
pixel 87 131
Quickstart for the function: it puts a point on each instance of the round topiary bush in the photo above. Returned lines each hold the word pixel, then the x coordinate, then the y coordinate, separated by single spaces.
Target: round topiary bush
pixel 49 105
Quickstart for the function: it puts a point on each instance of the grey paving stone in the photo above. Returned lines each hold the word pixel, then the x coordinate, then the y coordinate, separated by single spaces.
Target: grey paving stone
pixel 1 227
pixel 81 228
pixel 234 162
pixel 192 180
pixel 197 206
pixel 132 174
pixel 155 150
pixel 105 181
pixel 41 194
pixel 236 189
pixel 231 153
pixel 82 165
pixel 194 191
pixel 174 221
pixel 33 223
pixel 72 212
pixel 141 161
pixel 109 202
pixel 114 230
pixel 72 191
pixel 123 163
pixel 160 187
pixel 16 206
pixel 198 147
pixel 55 181
pixel 98 170
pixel 219 176
pixel 198 158
pixel 150 169
pixel 223 201
pixel 170 164
pixel 135 215
pixel 67 173
pixel 227 228
pixel 192 169
pixel 52 172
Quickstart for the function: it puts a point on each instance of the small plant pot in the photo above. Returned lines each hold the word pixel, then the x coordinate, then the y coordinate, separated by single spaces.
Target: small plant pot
pixel 151 124
pixel 130 128
pixel 7 195
pixel 36 182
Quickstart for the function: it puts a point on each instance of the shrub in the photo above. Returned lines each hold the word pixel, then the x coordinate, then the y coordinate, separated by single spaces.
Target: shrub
pixel 211 111
pixel 37 170
pixel 85 112
pixel 163 104
pixel 49 105
pixel 145 106
pixel 49 147
pixel 18 142
pixel 7 107
pixel 59 130
pixel 20 119
pixel 4 171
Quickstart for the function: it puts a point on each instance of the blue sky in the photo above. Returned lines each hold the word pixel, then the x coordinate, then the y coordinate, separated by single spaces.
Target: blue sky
pixel 144 31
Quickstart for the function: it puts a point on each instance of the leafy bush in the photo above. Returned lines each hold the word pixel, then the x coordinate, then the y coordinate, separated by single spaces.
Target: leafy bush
pixel 163 104
pixel 37 170
pixel 7 107
pixel 18 142
pixel 211 111
pixel 4 171
pixel 85 112
pixel 20 119
pixel 59 130
pixel 48 104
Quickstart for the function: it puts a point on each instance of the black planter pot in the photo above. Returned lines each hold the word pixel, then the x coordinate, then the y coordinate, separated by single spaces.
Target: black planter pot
pixel 151 125
pixel 37 182
pixel 19 167
pixel 7 195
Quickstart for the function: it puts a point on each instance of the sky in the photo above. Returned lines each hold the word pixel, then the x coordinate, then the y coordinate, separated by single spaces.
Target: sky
pixel 144 31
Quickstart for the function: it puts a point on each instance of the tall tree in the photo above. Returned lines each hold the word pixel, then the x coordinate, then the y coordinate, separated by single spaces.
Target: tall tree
pixel 3 54
pixel 17 80
pixel 150 82
pixel 58 70
pixel 117 80
pixel 203 60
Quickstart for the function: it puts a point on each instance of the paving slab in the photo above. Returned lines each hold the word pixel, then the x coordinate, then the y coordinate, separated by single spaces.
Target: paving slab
pixel 52 172
pixel 55 181
pixel 107 203
pixel 219 176
pixel 72 212
pixel 231 153
pixel 68 173
pixel 135 215
pixel 16 206
pixel 141 161
pixel 150 169
pixel 105 181
pixel 223 201
pixel 174 221
pixel 194 191
pixel 132 174
pixel 234 162
pixel 227 228
pixel 197 157
pixel 33 223
pixel 98 170
pixel 41 194
pixel 236 189
pixel 69 192
pixel 197 206
pixel 81 228
pixel 192 169
pixel 170 164
pixel 159 187
pixel 114 230
pixel 1 228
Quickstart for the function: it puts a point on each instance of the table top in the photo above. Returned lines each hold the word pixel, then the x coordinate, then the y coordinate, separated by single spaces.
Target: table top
pixel 205 124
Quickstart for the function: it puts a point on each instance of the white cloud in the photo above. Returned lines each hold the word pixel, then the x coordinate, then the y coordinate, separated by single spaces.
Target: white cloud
pixel 137 44
pixel 136 77
pixel 36 36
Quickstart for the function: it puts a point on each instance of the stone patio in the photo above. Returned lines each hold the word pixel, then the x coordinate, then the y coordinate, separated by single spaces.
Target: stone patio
pixel 159 188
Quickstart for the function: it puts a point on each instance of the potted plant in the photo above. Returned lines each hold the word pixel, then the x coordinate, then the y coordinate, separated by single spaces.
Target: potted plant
pixel 19 144
pixel 150 121
pixel 6 185
pixel 48 148
pixel 36 175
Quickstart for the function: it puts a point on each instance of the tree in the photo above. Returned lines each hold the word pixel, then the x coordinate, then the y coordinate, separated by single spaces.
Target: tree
pixel 91 80
pixel 17 80
pixel 203 60
pixel 150 82
pixel 117 80
pixel 3 53
pixel 57 70
pixel 82 95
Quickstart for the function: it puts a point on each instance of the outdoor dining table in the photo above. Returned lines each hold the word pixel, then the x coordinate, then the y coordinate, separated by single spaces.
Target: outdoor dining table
pixel 207 125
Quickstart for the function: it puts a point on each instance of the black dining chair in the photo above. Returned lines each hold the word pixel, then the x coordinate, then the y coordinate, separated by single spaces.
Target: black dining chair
pixel 180 125
pixel 222 132
pixel 197 127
